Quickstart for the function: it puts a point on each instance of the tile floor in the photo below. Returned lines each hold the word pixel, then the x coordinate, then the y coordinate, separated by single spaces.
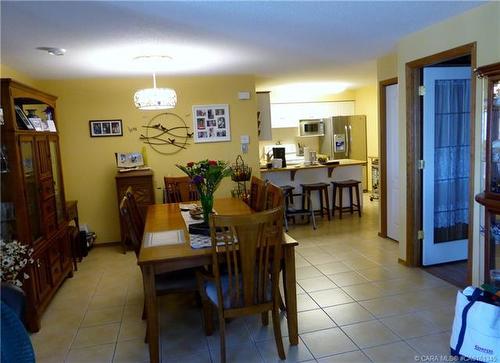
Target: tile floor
pixel 356 304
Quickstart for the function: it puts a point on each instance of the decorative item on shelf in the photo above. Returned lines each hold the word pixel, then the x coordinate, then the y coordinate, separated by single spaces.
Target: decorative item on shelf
pixel 206 175
pixel 211 123
pixel 15 256
pixel 169 139
pixel 241 173
pixel 4 164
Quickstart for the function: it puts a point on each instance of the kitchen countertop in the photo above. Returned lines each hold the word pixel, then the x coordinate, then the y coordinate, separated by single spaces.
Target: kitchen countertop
pixel 294 168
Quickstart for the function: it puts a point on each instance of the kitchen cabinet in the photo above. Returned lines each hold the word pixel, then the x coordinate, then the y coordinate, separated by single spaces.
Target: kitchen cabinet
pixel 264 116
pixel 289 114
pixel 490 198
pixel 32 196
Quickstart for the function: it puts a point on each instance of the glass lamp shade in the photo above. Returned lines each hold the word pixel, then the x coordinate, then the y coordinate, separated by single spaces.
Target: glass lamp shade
pixel 155 98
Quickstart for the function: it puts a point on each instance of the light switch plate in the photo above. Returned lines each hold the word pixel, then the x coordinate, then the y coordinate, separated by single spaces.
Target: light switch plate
pixel 245 139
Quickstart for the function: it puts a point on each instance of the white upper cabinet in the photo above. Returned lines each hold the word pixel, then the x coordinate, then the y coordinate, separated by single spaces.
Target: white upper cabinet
pixel 289 114
pixel 264 116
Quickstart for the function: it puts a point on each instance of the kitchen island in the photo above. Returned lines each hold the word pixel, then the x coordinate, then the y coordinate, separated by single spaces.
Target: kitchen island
pixel 295 175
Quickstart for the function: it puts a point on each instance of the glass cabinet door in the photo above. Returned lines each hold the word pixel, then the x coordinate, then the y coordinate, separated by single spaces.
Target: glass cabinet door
pixel 494 114
pixel 56 176
pixel 31 186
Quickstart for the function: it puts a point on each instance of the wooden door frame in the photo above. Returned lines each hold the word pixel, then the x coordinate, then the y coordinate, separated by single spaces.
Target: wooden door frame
pixel 414 150
pixel 382 85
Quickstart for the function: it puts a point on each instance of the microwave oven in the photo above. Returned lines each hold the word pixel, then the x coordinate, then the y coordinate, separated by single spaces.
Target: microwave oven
pixel 312 127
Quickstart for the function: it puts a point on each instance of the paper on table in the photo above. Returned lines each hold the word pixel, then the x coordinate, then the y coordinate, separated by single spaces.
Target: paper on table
pixel 153 239
pixel 188 206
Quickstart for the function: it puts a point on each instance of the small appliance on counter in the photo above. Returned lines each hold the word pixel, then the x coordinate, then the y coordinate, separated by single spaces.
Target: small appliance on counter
pixel 279 153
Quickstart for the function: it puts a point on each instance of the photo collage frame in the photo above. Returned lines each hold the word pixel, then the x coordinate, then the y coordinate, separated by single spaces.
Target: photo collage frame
pixel 211 123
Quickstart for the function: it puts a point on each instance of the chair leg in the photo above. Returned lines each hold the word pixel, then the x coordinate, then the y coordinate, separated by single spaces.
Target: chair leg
pixel 327 201
pixel 222 333
pixel 320 203
pixel 334 199
pixel 264 317
pixel 207 318
pixel 359 202
pixel 277 332
pixel 350 199
pixel 341 190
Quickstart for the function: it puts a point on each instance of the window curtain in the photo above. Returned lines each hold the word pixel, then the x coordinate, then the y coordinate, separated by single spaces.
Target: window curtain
pixel 451 164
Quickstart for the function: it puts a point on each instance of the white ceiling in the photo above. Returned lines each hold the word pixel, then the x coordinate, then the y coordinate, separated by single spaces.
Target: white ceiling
pixel 279 42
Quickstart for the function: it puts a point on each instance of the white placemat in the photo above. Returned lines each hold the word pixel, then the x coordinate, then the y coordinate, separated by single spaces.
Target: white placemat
pixel 196 240
pixel 172 237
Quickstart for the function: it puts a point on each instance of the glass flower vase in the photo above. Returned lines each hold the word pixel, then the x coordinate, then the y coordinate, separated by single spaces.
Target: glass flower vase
pixel 207 204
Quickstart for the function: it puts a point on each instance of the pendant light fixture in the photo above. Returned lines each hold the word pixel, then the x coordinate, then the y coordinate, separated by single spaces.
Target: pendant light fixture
pixel 155 98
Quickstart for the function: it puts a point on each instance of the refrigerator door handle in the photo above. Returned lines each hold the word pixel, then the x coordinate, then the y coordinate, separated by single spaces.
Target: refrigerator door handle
pixel 350 140
pixel 347 142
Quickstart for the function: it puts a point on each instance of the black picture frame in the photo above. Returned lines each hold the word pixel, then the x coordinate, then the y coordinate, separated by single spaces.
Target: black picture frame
pixel 22 119
pixel 105 128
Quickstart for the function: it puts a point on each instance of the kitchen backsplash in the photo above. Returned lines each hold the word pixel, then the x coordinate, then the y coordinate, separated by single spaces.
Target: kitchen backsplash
pixel 288 135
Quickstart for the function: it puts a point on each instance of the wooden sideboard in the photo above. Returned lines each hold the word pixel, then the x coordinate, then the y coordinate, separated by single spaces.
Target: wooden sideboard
pixel 141 182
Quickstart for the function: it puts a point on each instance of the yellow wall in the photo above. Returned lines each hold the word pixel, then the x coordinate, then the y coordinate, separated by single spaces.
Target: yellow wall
pixel 89 164
pixel 387 67
pixel 479 25
pixel 8 72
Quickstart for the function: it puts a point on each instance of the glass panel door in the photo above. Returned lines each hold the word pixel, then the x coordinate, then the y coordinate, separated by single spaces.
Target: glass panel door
pixel 31 185
pixel 56 176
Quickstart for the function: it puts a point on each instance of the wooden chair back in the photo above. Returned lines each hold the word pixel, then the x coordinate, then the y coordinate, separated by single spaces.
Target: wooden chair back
pixel 274 196
pixel 251 248
pixel 257 194
pixel 133 224
pixel 180 189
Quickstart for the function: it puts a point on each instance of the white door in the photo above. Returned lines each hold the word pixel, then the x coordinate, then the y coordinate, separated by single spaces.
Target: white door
pixel 392 137
pixel 446 137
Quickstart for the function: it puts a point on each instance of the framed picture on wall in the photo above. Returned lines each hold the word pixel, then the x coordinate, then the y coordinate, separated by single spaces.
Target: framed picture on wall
pixel 211 123
pixel 101 128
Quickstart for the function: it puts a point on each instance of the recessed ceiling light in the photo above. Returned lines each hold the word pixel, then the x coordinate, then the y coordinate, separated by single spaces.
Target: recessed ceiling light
pixel 53 50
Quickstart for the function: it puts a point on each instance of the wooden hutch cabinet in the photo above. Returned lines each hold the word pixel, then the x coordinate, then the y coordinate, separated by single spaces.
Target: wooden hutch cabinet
pixel 32 200
pixel 490 198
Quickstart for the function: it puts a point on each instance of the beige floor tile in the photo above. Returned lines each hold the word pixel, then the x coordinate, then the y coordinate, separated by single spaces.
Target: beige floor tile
pixel 314 320
pixel 237 333
pixel 347 278
pixel 307 272
pixel 351 357
pixel 102 316
pixel 305 302
pixel 387 306
pixel 363 291
pixel 377 274
pixel 293 353
pixel 333 268
pixel 370 334
pixel 243 353
pixel 442 317
pixel 350 313
pixel 327 342
pixel 132 330
pixel 410 325
pixel 432 345
pixel 115 299
pixel 399 352
pixel 95 335
pixel 320 258
pixel 330 297
pixel 131 351
pixel 260 332
pixel 360 263
pixel 316 283
pixel 200 357
pixel 99 353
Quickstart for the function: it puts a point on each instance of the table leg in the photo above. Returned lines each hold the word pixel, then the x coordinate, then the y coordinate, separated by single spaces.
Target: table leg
pixel 152 313
pixel 291 295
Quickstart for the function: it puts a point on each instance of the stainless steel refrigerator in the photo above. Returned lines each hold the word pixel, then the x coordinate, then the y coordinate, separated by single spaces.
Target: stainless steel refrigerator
pixel 345 138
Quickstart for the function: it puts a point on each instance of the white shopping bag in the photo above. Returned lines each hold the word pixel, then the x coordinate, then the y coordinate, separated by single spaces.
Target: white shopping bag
pixel 476 327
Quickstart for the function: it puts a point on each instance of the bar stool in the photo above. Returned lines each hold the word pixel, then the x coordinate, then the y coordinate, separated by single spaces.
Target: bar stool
pixel 340 185
pixel 289 195
pixel 322 189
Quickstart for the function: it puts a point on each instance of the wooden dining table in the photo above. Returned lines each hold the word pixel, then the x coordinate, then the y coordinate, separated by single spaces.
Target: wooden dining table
pixel 176 256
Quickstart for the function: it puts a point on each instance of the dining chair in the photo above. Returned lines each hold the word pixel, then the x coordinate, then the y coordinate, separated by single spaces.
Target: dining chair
pixel 247 280
pixel 179 189
pixel 257 194
pixel 182 281
pixel 274 196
